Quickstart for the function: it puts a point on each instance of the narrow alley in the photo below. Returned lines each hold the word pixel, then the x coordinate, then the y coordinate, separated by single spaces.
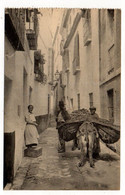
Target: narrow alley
pixel 54 171
pixel 62 68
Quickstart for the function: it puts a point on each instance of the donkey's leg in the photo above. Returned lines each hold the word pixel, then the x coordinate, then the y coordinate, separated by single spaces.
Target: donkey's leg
pixel 82 143
pixel 87 154
pixel 91 142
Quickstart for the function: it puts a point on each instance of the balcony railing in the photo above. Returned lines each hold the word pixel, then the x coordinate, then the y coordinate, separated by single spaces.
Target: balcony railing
pixel 32 40
pixel 87 32
pixel 32 30
pixel 15 27
pixel 39 62
pixel 76 66
pixel 41 77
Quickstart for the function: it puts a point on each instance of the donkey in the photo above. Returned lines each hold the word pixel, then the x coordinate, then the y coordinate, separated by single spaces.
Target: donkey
pixel 86 136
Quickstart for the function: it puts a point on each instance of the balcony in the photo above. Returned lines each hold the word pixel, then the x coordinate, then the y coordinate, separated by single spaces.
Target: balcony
pixel 67 69
pixel 32 39
pixel 39 62
pixel 66 60
pixel 66 66
pixel 32 28
pixel 76 66
pixel 41 77
pixel 87 32
pixel 15 27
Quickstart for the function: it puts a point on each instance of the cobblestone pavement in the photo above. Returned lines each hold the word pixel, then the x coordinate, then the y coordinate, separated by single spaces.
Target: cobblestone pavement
pixel 53 171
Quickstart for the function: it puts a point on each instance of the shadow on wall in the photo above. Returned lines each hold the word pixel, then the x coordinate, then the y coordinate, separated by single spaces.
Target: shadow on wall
pixel 43 122
pixel 52 121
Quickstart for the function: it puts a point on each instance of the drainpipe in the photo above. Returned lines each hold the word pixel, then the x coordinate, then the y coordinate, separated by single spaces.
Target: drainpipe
pixel 99 45
pixel 99 34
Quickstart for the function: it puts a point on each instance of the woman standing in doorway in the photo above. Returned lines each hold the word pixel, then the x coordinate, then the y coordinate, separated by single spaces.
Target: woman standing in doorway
pixel 31 134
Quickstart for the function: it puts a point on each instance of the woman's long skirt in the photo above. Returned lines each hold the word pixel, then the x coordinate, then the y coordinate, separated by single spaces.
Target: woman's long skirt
pixel 31 135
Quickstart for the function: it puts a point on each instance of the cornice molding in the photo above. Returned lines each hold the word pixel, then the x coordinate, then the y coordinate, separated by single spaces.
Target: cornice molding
pixel 66 18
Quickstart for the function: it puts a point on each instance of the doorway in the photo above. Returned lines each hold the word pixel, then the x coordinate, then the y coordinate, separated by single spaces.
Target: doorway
pixel 110 94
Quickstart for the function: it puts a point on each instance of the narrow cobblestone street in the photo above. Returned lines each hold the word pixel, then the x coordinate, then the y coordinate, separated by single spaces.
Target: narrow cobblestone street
pixel 53 171
pixel 61 66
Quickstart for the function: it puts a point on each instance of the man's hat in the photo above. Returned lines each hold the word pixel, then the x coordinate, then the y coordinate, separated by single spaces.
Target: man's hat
pixel 92 108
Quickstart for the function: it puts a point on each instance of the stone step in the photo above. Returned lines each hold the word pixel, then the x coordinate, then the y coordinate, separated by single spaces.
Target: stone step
pixel 33 152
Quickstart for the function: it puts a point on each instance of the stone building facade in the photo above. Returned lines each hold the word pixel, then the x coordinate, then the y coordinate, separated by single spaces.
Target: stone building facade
pixel 80 56
pixel 91 53
pixel 22 85
pixel 91 60
pixel 110 63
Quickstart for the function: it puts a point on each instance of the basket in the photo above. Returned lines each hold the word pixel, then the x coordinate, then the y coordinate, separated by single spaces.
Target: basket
pixel 109 134
pixel 68 131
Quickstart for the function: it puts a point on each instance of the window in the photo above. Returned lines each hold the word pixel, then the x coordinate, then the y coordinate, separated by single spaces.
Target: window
pixel 111 59
pixel 110 37
pixel 91 99
pixel 87 27
pixel 66 60
pixel 27 15
pixel 111 105
pixel 78 97
pixel 111 14
pixel 88 14
pixel 110 23
pixel 76 65
pixel 76 46
pixel 71 100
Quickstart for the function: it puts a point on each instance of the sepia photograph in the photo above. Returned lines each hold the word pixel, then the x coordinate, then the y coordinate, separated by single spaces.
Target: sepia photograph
pixel 62 99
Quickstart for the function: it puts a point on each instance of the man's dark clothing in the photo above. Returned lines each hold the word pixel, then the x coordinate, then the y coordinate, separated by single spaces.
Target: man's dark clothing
pixel 62 116
pixel 97 144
